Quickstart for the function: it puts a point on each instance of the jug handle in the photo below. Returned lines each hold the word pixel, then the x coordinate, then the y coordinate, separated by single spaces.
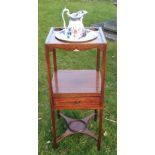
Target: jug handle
pixel 63 11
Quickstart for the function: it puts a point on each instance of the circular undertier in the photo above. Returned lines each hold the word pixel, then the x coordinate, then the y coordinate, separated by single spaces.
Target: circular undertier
pixel 77 126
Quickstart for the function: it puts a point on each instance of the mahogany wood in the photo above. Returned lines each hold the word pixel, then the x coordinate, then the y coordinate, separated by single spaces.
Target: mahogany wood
pixel 55 70
pixel 76 89
pixel 97 68
pixel 77 126
pixel 78 103
pixel 51 98
pixel 100 130
pixel 54 60
pixel 76 82
pixel 52 42
pixel 102 95
pixel 98 60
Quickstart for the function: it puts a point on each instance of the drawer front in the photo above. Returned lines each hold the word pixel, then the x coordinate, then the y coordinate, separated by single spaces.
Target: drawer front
pixel 78 103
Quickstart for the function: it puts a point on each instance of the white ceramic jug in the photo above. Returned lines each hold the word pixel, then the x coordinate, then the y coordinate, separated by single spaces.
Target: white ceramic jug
pixel 75 29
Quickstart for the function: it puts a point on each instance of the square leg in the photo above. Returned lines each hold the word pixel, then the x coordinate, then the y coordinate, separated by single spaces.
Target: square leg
pixel 100 130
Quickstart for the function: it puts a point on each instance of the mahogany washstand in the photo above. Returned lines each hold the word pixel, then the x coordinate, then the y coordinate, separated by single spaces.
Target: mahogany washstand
pixel 76 89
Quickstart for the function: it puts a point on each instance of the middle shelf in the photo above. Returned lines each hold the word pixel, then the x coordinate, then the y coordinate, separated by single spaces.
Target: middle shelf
pixel 75 83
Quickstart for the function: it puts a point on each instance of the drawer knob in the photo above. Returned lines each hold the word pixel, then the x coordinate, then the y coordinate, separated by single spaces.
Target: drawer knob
pixel 77 102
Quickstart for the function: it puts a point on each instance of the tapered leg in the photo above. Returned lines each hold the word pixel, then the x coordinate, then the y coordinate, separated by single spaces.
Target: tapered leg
pixel 51 96
pixel 100 130
pixel 58 113
pixel 97 68
pixel 54 60
pixel 95 117
pixel 102 95
pixel 98 60
pixel 56 78
pixel 54 129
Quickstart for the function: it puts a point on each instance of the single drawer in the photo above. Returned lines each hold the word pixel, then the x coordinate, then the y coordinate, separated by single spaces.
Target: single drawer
pixel 78 103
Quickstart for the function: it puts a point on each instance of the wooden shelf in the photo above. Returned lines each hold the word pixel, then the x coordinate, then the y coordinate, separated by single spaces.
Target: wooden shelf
pixel 73 83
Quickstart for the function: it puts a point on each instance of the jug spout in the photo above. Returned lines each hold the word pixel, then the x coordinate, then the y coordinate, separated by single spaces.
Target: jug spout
pixel 82 12
pixel 78 14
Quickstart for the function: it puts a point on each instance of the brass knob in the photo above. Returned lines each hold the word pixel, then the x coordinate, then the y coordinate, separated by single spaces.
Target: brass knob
pixel 77 102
